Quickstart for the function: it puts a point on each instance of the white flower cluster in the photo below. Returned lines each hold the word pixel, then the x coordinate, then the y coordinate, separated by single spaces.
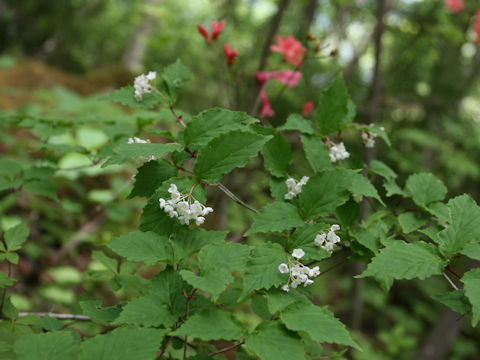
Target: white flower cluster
pixel 368 137
pixel 326 241
pixel 180 206
pixel 338 152
pixel 299 273
pixel 142 84
pixel 294 188
pixel 136 140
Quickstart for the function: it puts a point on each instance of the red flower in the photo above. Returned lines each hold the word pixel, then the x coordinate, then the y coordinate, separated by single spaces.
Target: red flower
pixel 307 108
pixel 454 5
pixel 291 49
pixel 266 110
pixel 287 77
pixel 476 26
pixel 229 54
pixel 217 28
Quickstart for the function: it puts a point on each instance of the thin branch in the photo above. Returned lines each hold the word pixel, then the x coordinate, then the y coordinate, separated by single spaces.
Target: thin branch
pixel 56 316
pixel 227 348
pixel 234 197
pixel 187 311
pixel 449 268
pixel 450 281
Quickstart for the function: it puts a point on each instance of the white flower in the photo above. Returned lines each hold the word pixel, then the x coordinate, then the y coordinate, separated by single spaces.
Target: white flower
pixel 294 188
pixel 320 239
pixel 327 241
pixel 298 253
pixel 137 140
pixel 286 288
pixel 338 152
pixel 308 282
pixel 142 84
pixel 283 268
pixel 314 272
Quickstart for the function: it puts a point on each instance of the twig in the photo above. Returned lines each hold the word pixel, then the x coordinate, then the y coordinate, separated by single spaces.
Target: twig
pixel 179 118
pixel 449 268
pixel 187 311
pixel 234 197
pixel 227 348
pixel 450 281
pixel 56 316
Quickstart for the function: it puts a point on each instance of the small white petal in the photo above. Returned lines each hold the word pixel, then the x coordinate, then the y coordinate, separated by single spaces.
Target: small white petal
pixel 298 253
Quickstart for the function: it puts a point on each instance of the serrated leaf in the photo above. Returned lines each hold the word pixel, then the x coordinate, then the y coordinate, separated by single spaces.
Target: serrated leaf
pixel 464 225
pixel 403 260
pixel 318 322
pixel 210 325
pixel 175 76
pixel 225 153
pixel 297 122
pixel 382 169
pixel 455 300
pixel 277 299
pixel 188 241
pixel 425 189
pixel 123 344
pixel 148 247
pixel 124 152
pixel 213 281
pixel 316 153
pixel 9 168
pixel 392 188
pixel 324 192
pixel 262 270
pixel 366 238
pixel 147 310
pixel 39 173
pixel 228 256
pixel 150 176
pixel 126 96
pixel 99 314
pixel 410 222
pixel 271 341
pixel 471 281
pixel 277 156
pixel 304 238
pixel 44 188
pixel 278 216
pixel 278 188
pixel 168 286
pixel 212 123
pixel 48 346
pixel 109 263
pixel 5 281
pixel 6 184
pixel 16 236
pixel 332 109
pixel 361 186
pixel 472 250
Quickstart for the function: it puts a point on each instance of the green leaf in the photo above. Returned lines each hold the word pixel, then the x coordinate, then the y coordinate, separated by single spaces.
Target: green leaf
pixel 262 270
pixel 425 189
pixel 318 322
pixel 332 110
pixel 278 188
pixel 471 281
pixel 464 225
pixel 148 247
pixel 304 238
pixel 225 153
pixel 126 96
pixel 472 250
pixel 316 153
pixel 279 299
pixel 410 222
pixel 403 260
pixel 150 176
pixel 456 300
pixel 366 238
pixel 146 311
pixel 40 173
pixel 382 169
pixel 271 341
pixel 175 76
pixel 168 286
pixel 210 325
pixel 324 192
pixel 48 346
pixel 278 216
pixel 125 151
pixel 214 122
pixel 213 281
pixel 9 168
pixel 361 186
pixel 44 188
pixel 228 256
pixel 188 241
pixel 392 188
pixel 123 344
pixel 277 156
pixel 297 122
pixel 5 281
pixel 109 263
pixel 16 236
pixel 99 314
pixel 6 184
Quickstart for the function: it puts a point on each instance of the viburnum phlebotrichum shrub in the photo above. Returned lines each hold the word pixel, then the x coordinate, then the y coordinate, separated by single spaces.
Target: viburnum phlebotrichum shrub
pixel 205 282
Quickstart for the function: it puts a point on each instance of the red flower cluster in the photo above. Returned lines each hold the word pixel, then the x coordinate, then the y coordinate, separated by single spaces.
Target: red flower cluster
pixel 291 48
pixel 217 28
pixel 229 54
pixel 307 108
pixel 454 5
